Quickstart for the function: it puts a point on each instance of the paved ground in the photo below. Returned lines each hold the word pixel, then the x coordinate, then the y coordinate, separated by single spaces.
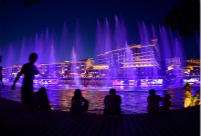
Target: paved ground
pixel 183 122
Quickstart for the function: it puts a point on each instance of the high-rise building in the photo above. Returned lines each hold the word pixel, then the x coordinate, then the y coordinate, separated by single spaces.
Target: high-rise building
pixel 141 60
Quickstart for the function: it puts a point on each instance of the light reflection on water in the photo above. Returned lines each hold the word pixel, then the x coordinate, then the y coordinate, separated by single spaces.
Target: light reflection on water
pixel 132 101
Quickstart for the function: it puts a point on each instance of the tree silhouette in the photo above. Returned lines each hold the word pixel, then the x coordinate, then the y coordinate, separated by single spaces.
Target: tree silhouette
pixel 26 2
pixel 2 2
pixel 29 2
pixel 185 18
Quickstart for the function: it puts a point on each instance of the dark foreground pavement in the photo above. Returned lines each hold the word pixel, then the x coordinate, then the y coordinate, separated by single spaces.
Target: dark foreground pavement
pixel 182 122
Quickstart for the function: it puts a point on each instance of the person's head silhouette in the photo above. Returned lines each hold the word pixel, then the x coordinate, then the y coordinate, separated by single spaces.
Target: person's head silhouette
pixel 167 96
pixel 0 58
pixel 152 92
pixel 42 90
pixel 77 93
pixel 187 86
pixel 33 57
pixel 43 93
pixel 198 93
pixel 112 91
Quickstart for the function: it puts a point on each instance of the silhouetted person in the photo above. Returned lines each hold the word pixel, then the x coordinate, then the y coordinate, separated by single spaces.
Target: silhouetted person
pixel 41 99
pixel 2 86
pixel 112 103
pixel 166 103
pixel 187 99
pixel 153 102
pixel 29 70
pixel 1 76
pixel 79 104
pixel 195 100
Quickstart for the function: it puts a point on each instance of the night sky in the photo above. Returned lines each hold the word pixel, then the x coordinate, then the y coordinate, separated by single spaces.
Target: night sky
pixel 16 20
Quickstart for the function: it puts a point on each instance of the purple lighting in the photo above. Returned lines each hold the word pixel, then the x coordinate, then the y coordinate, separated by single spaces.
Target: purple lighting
pixel 157 60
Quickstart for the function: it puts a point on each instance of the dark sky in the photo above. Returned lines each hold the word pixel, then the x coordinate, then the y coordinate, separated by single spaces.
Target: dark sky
pixel 17 21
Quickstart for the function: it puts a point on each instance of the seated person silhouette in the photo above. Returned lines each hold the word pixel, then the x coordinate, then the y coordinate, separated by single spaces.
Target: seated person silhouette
pixel 153 102
pixel 166 103
pixel 112 103
pixel 195 99
pixel 41 99
pixel 79 104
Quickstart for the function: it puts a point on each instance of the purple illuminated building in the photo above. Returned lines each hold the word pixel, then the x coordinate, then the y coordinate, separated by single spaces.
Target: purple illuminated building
pixel 141 63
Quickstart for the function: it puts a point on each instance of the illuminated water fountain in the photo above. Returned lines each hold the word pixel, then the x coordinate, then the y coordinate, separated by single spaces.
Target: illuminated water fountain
pixel 120 63
pixel 74 69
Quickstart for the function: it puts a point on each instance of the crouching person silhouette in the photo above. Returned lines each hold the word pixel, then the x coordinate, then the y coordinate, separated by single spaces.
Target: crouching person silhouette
pixel 29 70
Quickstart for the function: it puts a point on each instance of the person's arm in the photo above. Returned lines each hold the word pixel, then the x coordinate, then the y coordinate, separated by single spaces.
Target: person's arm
pixel 120 101
pixel 37 72
pixel 18 76
pixel 16 79
pixel 84 100
pixel 161 98
pixel 198 102
pixel 187 94
pixel 1 78
pixel 169 104
pixel 105 100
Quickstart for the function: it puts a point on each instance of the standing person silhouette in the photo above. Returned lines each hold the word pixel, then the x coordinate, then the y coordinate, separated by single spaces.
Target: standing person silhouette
pixel 1 77
pixel 29 70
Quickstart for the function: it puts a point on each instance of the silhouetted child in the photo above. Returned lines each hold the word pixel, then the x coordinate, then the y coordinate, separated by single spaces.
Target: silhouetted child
pixel 41 99
pixel 112 103
pixel 166 103
pixel 2 86
pixel 29 70
pixel 153 102
pixel 187 96
pixel 79 104
pixel 195 100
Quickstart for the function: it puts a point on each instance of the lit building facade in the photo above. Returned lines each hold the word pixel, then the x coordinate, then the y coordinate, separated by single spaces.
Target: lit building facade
pixel 142 60
pixel 139 67
pixel 52 70
pixel 98 70
pixel 187 71
pixel 186 68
